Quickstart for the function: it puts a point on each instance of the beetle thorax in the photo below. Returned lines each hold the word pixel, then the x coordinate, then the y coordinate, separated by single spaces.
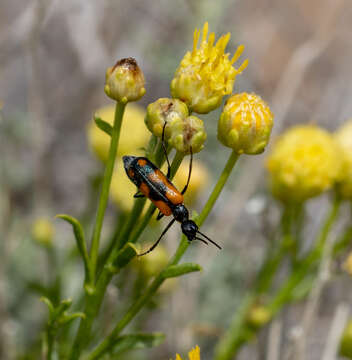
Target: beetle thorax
pixel 180 213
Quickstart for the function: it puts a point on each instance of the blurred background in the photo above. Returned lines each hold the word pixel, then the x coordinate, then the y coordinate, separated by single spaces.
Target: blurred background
pixel 53 57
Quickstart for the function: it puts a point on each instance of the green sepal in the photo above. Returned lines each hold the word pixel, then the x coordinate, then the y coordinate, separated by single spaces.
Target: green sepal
pixel 178 270
pixel 125 255
pixel 103 125
pixel 136 341
pixel 81 243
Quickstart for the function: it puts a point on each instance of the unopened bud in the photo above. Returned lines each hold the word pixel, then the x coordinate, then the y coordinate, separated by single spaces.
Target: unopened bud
pixel 245 124
pixel 124 81
pixel 43 231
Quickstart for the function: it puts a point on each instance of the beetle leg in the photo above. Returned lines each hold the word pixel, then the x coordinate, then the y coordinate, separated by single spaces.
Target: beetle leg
pixel 160 215
pixel 165 151
pixel 138 194
pixel 189 173
pixel 157 242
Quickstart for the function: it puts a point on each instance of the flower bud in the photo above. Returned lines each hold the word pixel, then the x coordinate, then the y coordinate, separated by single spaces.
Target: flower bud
pixel 164 110
pixel 346 341
pixel 344 139
pixel 124 81
pixel 258 316
pixel 304 162
pixel 43 231
pixel 134 134
pixel 245 124
pixel 206 74
pixel 186 133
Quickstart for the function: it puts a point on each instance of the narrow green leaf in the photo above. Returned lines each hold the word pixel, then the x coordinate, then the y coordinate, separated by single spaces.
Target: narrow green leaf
pixel 81 243
pixel 103 125
pixel 136 341
pixel 178 270
pixel 67 318
pixel 50 306
pixel 125 255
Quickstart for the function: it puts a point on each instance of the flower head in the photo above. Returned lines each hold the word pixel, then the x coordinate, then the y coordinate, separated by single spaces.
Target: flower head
pixel 346 341
pixel 344 139
pixel 124 81
pixel 245 124
pixel 206 74
pixel 304 162
pixel 162 111
pixel 43 231
pixel 259 316
pixel 186 133
pixel 134 134
pixel 194 354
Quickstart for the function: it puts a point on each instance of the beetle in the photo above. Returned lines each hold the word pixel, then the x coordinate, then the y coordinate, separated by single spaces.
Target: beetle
pixel 158 188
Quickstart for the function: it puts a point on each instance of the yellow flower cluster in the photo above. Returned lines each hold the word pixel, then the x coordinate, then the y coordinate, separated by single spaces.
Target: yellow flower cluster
pixel 245 124
pixel 304 162
pixel 206 74
pixel 134 134
pixel 194 354
pixel 344 138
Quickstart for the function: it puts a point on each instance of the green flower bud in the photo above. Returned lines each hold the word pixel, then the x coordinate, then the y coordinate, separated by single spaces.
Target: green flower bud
pixel 346 341
pixel 124 81
pixel 258 316
pixel 165 110
pixel 43 232
pixel 187 133
pixel 245 124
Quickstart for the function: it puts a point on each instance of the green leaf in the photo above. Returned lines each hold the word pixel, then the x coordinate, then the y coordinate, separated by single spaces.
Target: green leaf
pixel 125 255
pixel 67 318
pixel 50 306
pixel 136 341
pixel 81 243
pixel 103 125
pixel 178 270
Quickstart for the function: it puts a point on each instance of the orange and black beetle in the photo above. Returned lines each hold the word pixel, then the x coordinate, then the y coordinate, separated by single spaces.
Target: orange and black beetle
pixel 157 187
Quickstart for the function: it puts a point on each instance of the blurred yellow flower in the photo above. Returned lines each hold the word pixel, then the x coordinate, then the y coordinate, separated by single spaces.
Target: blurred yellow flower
pixel 206 74
pixel 345 349
pixel 134 134
pixel 194 354
pixel 156 261
pixel 245 124
pixel 304 162
pixel 199 180
pixel 122 188
pixel 347 265
pixel 344 138
pixel 43 231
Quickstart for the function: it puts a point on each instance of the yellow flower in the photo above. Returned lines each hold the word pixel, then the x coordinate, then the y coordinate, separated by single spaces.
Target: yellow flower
pixel 304 162
pixel 124 81
pixel 43 231
pixel 344 138
pixel 194 354
pixel 259 316
pixel 347 265
pixel 156 261
pixel 134 134
pixel 245 124
pixel 199 180
pixel 206 74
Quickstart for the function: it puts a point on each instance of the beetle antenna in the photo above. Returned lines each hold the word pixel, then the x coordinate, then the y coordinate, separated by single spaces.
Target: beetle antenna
pixel 202 240
pixel 213 242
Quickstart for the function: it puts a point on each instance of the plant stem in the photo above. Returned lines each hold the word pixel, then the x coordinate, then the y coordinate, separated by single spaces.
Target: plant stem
pixel 239 333
pixel 103 200
pixel 93 300
pixel 106 344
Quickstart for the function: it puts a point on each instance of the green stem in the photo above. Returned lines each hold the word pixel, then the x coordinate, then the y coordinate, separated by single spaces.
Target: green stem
pixel 50 343
pixel 108 342
pixel 103 200
pixel 93 300
pixel 236 335
pixel 239 334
